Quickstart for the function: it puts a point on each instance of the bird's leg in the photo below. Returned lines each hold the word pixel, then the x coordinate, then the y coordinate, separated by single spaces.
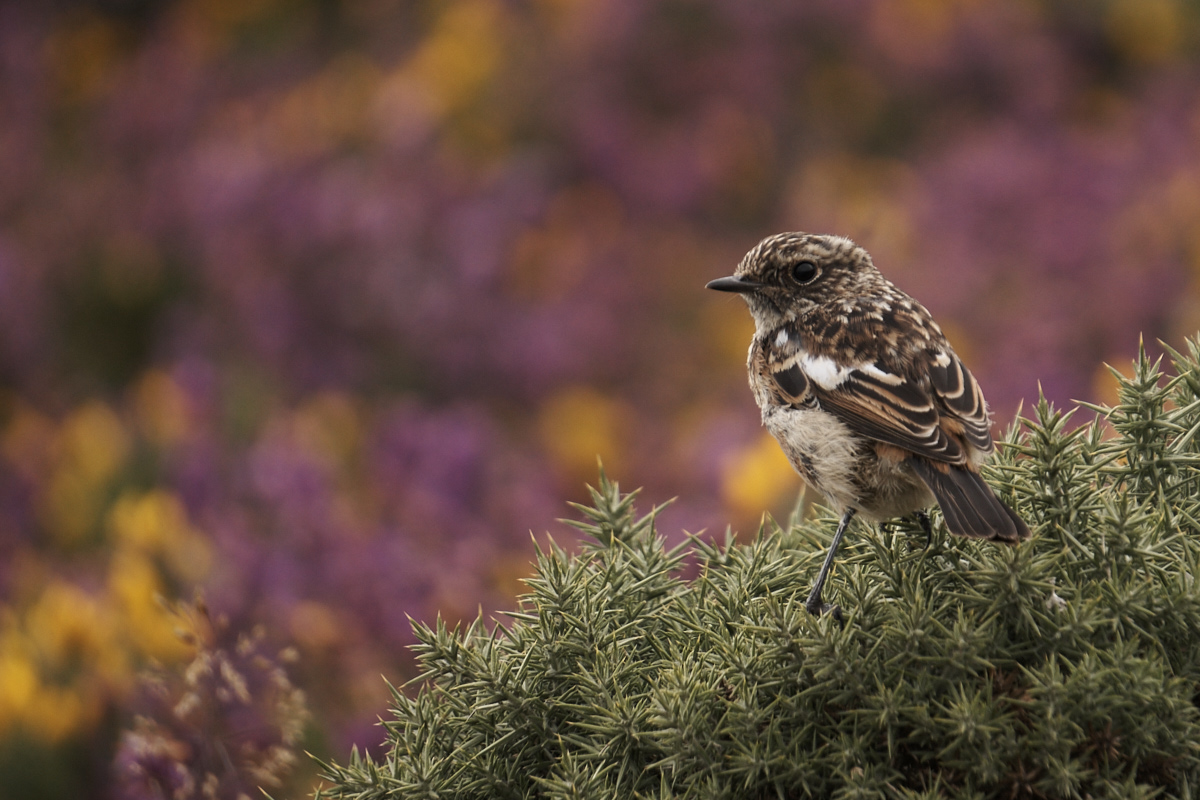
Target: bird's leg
pixel 814 604
pixel 926 525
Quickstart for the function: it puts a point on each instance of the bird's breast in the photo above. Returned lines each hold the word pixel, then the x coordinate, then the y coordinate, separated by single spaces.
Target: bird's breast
pixel 821 448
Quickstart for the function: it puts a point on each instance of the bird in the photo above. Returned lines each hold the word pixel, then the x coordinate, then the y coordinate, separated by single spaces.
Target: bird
pixel 864 394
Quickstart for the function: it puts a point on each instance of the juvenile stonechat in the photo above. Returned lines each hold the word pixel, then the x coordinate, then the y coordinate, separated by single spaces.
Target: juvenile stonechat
pixel 864 394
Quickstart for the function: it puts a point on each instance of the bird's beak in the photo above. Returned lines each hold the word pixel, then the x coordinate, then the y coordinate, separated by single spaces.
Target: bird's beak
pixel 733 284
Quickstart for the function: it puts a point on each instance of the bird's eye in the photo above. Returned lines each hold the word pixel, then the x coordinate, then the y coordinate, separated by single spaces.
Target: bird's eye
pixel 804 272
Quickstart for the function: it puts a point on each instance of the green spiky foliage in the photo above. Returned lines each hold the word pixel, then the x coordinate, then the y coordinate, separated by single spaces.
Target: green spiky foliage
pixel 1068 666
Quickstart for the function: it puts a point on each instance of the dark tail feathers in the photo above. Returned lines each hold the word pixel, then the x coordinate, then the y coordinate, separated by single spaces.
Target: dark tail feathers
pixel 968 504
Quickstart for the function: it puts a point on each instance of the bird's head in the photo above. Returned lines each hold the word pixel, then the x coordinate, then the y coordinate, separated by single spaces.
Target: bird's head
pixel 788 275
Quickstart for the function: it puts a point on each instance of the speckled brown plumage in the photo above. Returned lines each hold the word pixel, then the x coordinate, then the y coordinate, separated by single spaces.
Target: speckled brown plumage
pixel 860 387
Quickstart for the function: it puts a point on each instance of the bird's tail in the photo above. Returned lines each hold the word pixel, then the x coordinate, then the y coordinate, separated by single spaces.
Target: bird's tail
pixel 969 505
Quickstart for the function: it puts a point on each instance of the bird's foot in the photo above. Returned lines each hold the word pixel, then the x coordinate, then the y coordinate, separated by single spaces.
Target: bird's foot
pixel 926 525
pixel 818 609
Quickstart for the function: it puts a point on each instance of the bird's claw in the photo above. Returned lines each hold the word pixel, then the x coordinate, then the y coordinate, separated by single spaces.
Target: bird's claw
pixel 819 609
pixel 927 526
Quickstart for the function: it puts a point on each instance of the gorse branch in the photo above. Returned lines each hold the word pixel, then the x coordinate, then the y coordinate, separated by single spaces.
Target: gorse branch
pixel 1068 666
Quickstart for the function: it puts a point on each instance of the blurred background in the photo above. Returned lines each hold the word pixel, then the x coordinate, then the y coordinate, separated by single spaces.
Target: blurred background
pixel 319 308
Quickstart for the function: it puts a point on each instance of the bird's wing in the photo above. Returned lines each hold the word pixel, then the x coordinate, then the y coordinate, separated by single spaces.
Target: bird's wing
pixel 960 398
pixel 779 363
pixel 791 386
pixel 931 410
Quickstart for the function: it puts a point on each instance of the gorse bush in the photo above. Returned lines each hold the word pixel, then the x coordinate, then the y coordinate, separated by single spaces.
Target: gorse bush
pixel 1068 666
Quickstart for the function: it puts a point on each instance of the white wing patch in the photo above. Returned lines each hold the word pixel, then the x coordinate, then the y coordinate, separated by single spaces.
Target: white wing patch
pixel 828 374
pixel 881 376
pixel 824 371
